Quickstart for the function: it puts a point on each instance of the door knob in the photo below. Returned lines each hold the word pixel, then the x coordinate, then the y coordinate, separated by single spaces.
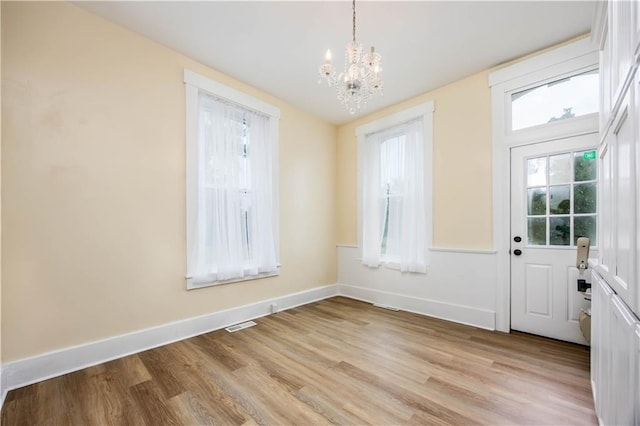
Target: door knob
pixel 517 252
pixel 517 239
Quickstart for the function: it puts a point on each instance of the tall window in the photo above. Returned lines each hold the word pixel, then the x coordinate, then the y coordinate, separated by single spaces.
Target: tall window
pixel 395 190
pixel 231 197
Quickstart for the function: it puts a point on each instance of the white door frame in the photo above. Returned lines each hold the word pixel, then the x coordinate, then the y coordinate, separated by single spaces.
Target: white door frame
pixel 567 59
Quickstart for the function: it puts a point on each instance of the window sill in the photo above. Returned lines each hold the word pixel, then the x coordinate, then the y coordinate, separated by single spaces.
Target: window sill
pixel 193 286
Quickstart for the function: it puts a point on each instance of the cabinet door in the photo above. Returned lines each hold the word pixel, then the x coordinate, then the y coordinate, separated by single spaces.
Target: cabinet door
pixel 624 194
pixel 605 82
pixel 606 209
pixel 636 106
pixel 623 326
pixel 637 375
pixel 621 32
pixel 600 347
pixel 636 13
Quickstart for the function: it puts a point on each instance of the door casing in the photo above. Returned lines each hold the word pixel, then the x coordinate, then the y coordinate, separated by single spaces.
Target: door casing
pixel 569 58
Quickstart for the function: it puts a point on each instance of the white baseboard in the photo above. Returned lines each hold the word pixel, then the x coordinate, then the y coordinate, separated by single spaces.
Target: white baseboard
pixel 468 315
pixel 52 364
pixel 35 369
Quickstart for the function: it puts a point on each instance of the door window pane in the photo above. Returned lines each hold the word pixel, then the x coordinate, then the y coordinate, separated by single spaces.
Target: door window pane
pixel 537 201
pixel 558 100
pixel 560 199
pixel 585 226
pixel 585 166
pixel 537 231
pixel 537 171
pixel 584 196
pixel 560 169
pixel 559 231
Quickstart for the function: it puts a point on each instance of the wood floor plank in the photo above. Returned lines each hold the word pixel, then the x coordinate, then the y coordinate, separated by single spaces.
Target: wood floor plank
pixel 159 365
pixel 409 398
pixel 152 404
pixel 209 400
pixel 190 410
pixel 337 361
pixel 131 370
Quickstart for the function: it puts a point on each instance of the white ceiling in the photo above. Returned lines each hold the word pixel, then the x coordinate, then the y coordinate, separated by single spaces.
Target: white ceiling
pixel 278 46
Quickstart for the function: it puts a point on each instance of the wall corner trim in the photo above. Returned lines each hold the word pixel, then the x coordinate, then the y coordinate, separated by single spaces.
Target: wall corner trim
pixel 41 367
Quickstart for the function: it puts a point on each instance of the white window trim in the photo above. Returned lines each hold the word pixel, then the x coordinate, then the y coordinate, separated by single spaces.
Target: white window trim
pixel 573 58
pixel 570 126
pixel 424 111
pixel 194 83
pixel 581 55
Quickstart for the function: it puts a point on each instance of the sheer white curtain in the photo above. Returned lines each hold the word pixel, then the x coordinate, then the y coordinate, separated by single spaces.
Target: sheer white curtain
pixel 393 202
pixel 235 192
pixel 413 228
pixel 373 204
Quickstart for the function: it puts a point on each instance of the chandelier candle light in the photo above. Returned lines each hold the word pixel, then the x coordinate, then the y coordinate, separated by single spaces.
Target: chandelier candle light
pixel 360 79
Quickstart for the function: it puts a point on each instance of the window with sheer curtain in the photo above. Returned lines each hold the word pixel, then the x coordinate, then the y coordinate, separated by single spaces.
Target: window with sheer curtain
pixel 393 195
pixel 231 196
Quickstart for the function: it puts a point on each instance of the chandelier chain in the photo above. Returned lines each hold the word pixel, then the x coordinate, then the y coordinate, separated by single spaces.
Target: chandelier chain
pixel 354 20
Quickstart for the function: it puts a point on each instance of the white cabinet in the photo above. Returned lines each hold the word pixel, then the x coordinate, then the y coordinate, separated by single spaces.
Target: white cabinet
pixel 635 305
pixel 600 345
pixel 615 351
pixel 614 357
pixel 619 194
pixel 635 6
pixel 624 194
pixel 623 362
pixel 606 209
pixel 620 46
pixel 619 202
pixel 605 83
pixel 621 27
pixel 637 385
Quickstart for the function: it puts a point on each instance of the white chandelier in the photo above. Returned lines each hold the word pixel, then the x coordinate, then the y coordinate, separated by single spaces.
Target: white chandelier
pixel 360 79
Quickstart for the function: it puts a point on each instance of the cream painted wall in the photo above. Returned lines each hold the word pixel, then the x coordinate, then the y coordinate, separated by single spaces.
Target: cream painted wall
pixel 93 185
pixel 462 210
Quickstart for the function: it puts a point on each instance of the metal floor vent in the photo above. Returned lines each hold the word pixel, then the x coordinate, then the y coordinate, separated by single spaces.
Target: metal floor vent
pixel 390 308
pixel 240 326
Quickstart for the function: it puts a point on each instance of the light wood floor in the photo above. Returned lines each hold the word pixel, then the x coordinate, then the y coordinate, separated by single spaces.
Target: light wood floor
pixel 336 361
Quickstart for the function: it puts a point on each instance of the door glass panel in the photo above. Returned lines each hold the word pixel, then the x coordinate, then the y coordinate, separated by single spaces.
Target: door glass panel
pixel 537 231
pixel 559 231
pixel 585 166
pixel 560 169
pixel 555 101
pixel 537 201
pixel 560 199
pixel 584 196
pixel 585 226
pixel 537 171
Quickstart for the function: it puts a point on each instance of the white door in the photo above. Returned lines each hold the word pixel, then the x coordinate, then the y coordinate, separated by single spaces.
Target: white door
pixel 553 202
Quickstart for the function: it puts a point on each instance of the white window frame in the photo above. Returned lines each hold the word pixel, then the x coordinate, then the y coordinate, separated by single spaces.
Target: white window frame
pixel 194 84
pixel 544 130
pixel 425 112
pixel 572 58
